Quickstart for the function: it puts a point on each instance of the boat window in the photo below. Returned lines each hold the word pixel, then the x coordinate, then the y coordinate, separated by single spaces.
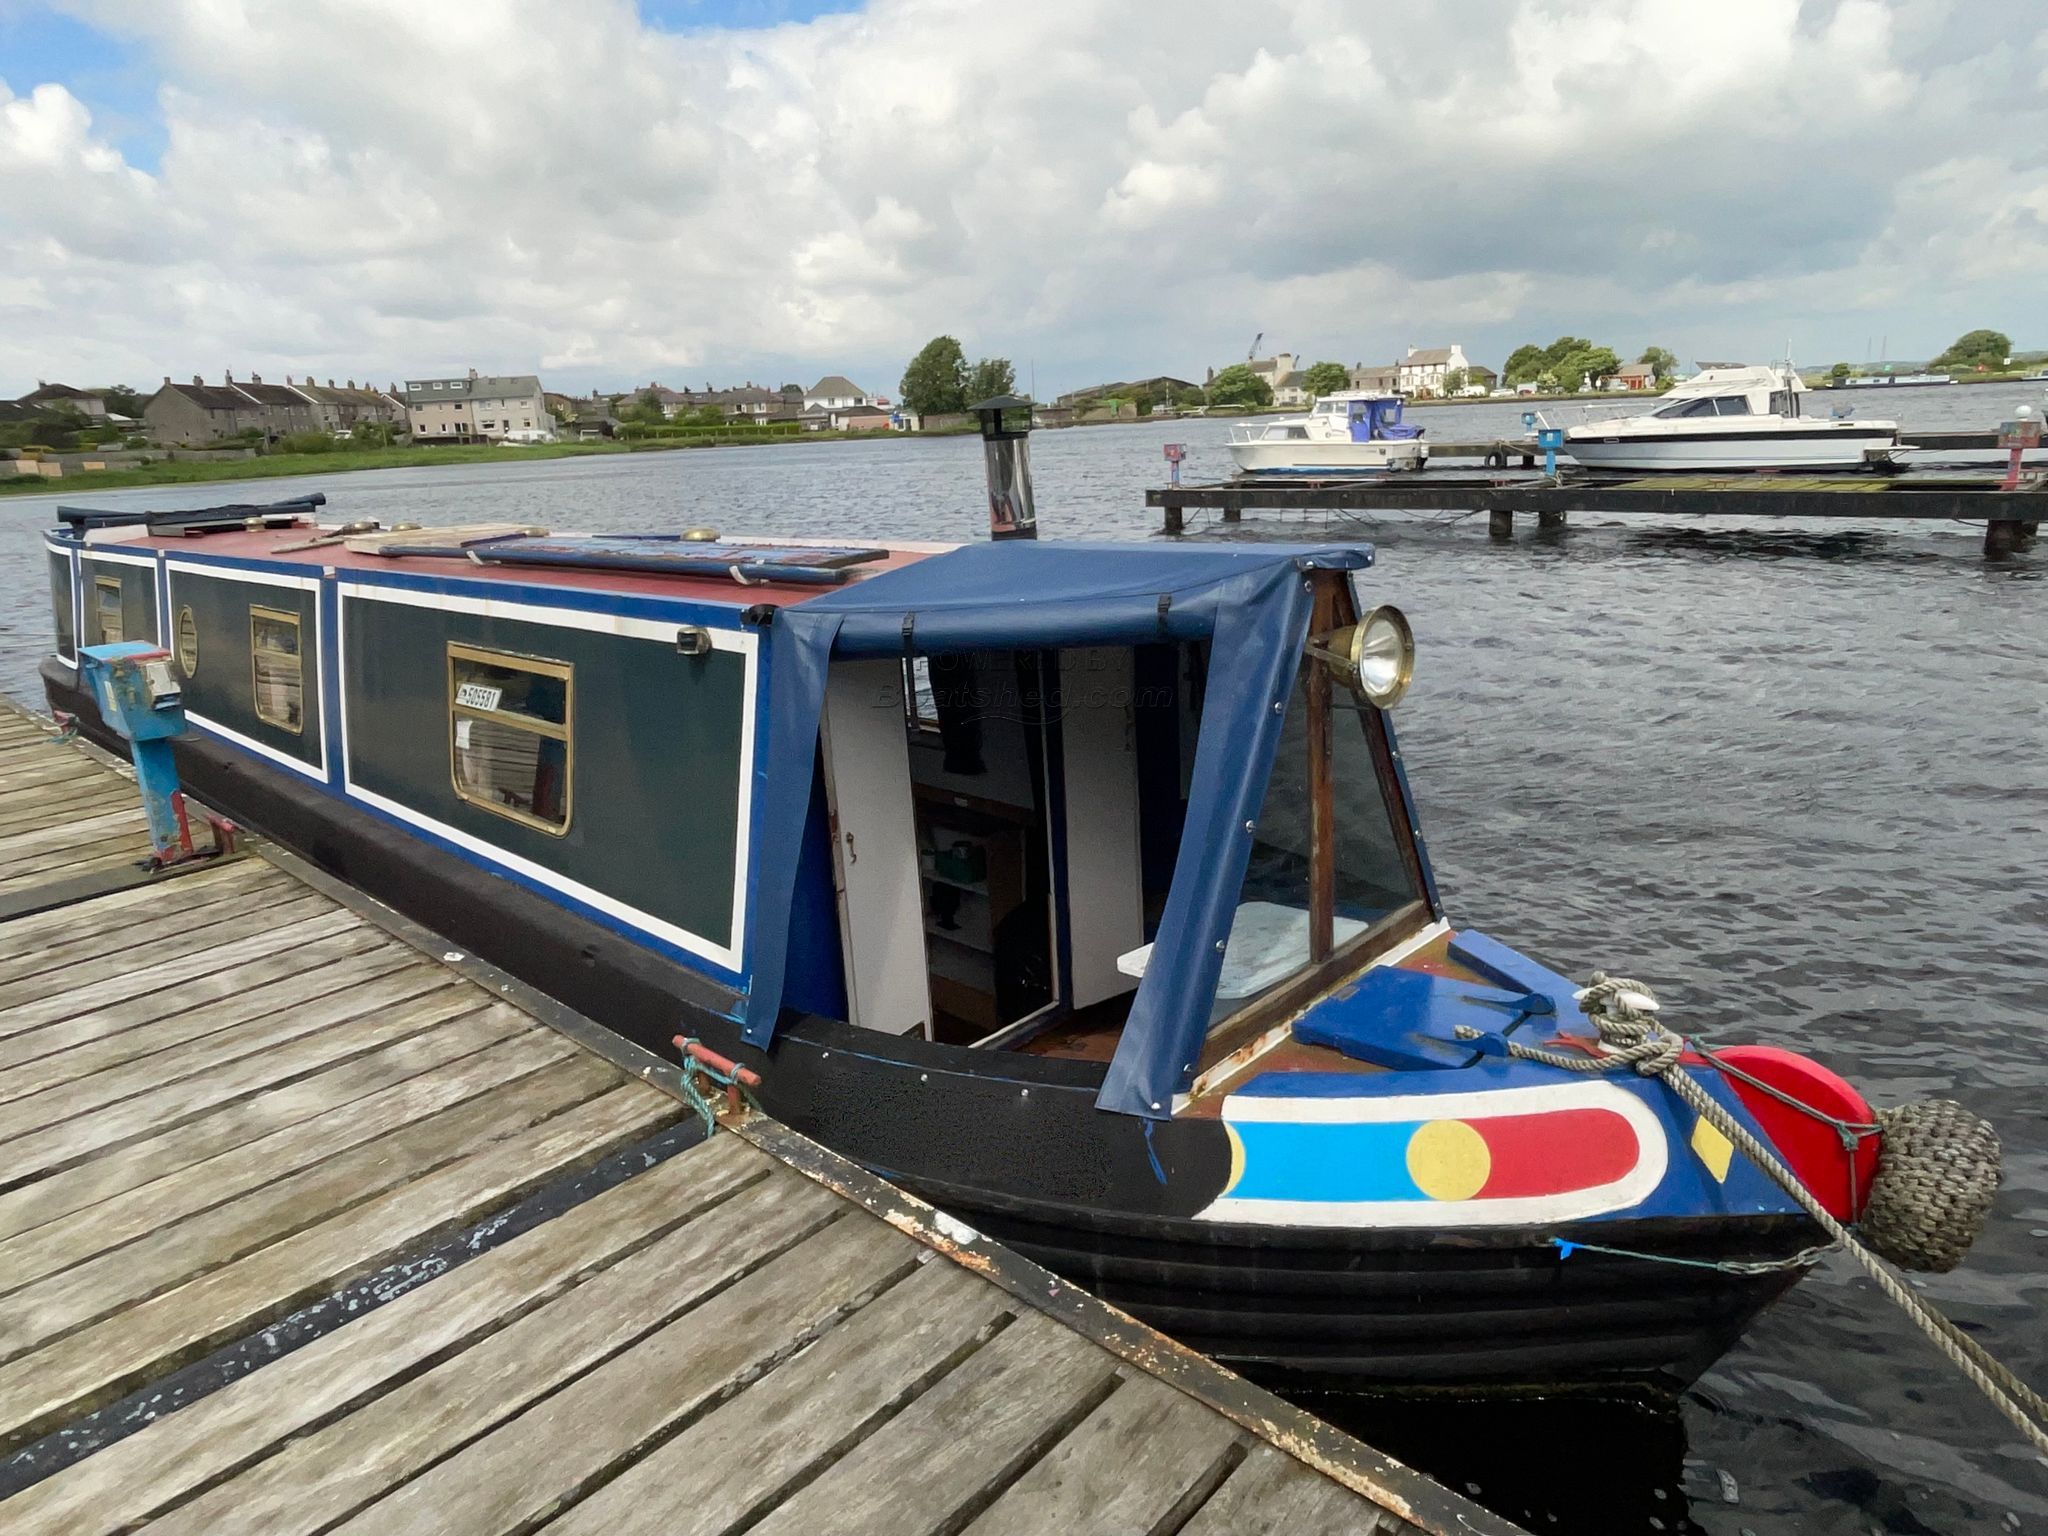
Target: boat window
pixel 1783 403
pixel 60 603
pixel 509 734
pixel 1688 408
pixel 107 609
pixel 1269 940
pixel 276 668
pixel 920 705
pixel 1733 405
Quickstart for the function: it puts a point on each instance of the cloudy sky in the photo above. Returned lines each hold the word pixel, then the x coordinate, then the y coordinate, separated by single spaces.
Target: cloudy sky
pixel 686 190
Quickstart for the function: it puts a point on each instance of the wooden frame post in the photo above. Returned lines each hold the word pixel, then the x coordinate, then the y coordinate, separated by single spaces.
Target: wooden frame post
pixel 1322 788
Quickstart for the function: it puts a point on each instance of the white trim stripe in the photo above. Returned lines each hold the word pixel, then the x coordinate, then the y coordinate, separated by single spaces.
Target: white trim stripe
pixel 727 954
pixel 1633 1187
pixel 313 709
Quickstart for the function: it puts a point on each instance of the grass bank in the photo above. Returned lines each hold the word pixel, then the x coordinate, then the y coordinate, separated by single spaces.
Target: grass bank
pixel 343 460
pixel 272 466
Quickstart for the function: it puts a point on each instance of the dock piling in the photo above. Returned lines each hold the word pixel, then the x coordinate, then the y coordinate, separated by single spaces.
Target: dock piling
pixel 1859 497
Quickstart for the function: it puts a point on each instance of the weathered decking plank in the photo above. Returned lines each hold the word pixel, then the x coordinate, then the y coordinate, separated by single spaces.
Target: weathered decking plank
pixel 1269 1496
pixel 199 908
pixel 343 996
pixel 960 1443
pixel 124 907
pixel 211 932
pixel 47 1309
pixel 1146 1453
pixel 85 825
pixel 174 1458
pixel 63 1052
pixel 114 854
pixel 737 1462
pixel 148 981
pixel 335 1472
pixel 97 1363
pixel 242 1121
pixel 52 1146
pixel 200 993
pixel 108 1224
pixel 509 1479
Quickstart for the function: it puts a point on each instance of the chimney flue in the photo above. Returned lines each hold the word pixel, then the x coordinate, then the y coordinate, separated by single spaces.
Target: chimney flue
pixel 1006 453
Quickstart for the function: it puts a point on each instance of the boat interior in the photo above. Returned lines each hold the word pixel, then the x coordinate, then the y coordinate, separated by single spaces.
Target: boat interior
pixel 1006 827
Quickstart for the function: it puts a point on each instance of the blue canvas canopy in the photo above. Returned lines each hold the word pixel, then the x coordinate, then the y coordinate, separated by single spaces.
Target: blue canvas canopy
pixel 1250 601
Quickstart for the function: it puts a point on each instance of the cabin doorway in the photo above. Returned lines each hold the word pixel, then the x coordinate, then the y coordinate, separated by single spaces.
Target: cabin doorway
pixel 986 838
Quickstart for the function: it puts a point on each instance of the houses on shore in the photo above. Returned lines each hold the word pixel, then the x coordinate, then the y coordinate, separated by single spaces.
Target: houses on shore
pixel 471 407
pixel 198 414
pixel 835 403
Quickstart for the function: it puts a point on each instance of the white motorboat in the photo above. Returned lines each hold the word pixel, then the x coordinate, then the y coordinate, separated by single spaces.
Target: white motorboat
pixel 1348 433
pixel 1731 418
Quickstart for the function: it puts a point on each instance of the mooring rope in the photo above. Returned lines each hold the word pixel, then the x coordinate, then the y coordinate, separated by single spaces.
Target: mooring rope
pixel 1632 1039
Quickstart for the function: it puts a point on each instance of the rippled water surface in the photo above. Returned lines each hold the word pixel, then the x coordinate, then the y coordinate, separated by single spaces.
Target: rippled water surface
pixel 1796 777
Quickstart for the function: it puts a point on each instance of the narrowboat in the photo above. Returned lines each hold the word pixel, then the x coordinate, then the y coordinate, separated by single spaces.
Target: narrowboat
pixel 1076 886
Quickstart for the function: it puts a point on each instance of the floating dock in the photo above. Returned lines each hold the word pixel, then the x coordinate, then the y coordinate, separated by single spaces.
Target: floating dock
pixel 310 1223
pixel 2010 518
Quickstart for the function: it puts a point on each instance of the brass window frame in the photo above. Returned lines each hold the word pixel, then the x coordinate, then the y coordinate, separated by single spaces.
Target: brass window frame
pixel 539 666
pixel 298 660
pixel 101 585
pixel 184 627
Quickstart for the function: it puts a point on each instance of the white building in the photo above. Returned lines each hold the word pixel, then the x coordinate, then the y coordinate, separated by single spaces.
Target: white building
pixel 1290 389
pixel 835 392
pixel 492 407
pixel 1424 369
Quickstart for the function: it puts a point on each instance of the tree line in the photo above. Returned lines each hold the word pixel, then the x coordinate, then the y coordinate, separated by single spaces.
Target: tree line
pixel 940 380
pixel 1572 363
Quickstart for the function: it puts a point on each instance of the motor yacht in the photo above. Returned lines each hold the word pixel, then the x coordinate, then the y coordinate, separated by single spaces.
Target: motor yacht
pixel 1350 432
pixel 1731 418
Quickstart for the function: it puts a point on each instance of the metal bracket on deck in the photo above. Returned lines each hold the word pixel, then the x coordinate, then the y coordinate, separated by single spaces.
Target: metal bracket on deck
pixel 701 1064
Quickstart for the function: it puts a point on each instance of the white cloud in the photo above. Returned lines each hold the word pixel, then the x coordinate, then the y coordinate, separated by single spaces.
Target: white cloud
pixel 354 186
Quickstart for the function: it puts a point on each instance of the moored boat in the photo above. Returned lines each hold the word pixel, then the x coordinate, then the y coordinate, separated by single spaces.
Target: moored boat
pixel 1727 418
pixel 1076 886
pixel 1347 433
pixel 1894 380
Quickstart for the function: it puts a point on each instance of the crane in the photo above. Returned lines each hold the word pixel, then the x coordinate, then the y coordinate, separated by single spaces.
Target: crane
pixel 1249 356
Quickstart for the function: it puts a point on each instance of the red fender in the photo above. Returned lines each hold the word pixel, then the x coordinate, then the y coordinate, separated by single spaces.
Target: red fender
pixel 1811 1148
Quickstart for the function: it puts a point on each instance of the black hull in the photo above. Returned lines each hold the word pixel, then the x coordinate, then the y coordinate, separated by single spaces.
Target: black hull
pixel 1015 1146
pixel 1341 1312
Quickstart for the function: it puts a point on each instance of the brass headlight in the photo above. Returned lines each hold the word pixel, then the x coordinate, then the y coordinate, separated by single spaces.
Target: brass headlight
pixel 1374 658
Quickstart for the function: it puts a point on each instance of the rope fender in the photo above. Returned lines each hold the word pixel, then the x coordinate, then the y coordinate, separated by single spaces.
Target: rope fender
pixel 1932 1192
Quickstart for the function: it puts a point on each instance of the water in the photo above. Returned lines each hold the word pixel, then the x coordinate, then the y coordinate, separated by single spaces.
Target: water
pixel 1791 775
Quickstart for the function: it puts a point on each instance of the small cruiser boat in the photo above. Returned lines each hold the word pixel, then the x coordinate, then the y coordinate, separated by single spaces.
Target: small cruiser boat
pixel 1349 433
pixel 1732 419
pixel 1077 887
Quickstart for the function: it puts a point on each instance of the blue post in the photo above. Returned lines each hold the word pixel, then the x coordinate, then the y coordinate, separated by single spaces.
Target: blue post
pixel 1550 439
pixel 139 698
